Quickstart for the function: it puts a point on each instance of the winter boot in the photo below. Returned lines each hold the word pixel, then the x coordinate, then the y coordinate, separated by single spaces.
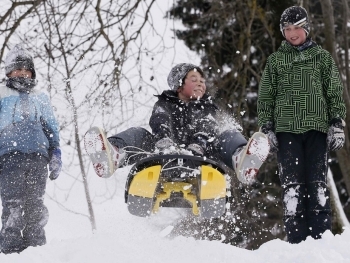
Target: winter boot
pixel 105 157
pixel 248 159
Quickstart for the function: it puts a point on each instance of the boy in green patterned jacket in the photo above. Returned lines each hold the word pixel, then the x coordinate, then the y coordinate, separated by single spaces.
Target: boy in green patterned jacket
pixel 301 109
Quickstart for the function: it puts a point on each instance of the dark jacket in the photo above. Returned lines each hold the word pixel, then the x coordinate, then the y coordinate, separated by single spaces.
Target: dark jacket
pixel 178 120
pixel 300 90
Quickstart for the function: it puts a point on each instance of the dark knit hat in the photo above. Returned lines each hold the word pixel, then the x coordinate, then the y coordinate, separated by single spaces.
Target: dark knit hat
pixel 179 72
pixel 295 15
pixel 19 58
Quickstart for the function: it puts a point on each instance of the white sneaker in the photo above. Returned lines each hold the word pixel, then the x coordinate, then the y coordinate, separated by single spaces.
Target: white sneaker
pixel 248 161
pixel 105 157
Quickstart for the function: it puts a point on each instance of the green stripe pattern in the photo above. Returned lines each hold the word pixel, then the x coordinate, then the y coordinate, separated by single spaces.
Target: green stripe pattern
pixel 300 90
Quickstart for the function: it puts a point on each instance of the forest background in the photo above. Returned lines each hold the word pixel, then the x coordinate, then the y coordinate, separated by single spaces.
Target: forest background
pixel 102 61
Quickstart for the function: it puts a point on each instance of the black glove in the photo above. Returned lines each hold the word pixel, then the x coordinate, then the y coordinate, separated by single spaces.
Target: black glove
pixel 198 144
pixel 336 136
pixel 164 143
pixel 164 131
pixel 268 129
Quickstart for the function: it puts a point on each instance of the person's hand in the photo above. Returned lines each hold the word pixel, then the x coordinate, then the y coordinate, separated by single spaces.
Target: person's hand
pixel 55 164
pixel 164 143
pixel 271 136
pixel 336 136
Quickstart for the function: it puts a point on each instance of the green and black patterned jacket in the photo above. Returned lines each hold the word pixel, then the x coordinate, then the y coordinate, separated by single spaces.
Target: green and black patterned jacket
pixel 300 90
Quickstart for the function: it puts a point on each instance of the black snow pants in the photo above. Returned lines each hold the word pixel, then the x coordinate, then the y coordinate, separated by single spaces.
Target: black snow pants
pixel 137 138
pixel 302 161
pixel 22 187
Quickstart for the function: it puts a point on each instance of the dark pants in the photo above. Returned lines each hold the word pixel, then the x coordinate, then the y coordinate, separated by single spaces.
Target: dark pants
pixel 302 160
pixel 24 215
pixel 136 140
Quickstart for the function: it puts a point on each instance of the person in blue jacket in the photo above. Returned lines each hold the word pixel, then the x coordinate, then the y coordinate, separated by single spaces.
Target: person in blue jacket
pixel 29 141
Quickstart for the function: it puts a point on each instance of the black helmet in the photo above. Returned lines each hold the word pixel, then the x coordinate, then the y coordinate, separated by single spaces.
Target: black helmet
pixel 295 15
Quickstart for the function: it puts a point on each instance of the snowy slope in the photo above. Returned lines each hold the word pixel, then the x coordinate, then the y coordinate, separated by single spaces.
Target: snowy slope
pixel 121 237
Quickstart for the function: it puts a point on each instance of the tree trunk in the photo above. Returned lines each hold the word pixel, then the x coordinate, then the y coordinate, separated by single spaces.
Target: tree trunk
pixel 343 155
pixel 338 212
pixel 80 156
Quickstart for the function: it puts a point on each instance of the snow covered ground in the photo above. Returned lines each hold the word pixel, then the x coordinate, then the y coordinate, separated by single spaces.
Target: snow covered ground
pixel 121 237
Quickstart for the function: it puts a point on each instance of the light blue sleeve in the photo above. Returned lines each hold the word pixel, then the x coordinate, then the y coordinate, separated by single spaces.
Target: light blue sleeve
pixel 49 122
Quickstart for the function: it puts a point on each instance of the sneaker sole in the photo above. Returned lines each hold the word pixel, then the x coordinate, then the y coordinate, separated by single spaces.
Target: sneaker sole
pixel 96 146
pixel 256 152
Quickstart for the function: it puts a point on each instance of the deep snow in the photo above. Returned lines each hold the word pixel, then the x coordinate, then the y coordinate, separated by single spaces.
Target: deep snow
pixel 121 237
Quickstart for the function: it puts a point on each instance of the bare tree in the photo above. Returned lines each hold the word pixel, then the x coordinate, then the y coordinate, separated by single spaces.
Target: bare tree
pixel 88 55
pixel 336 41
